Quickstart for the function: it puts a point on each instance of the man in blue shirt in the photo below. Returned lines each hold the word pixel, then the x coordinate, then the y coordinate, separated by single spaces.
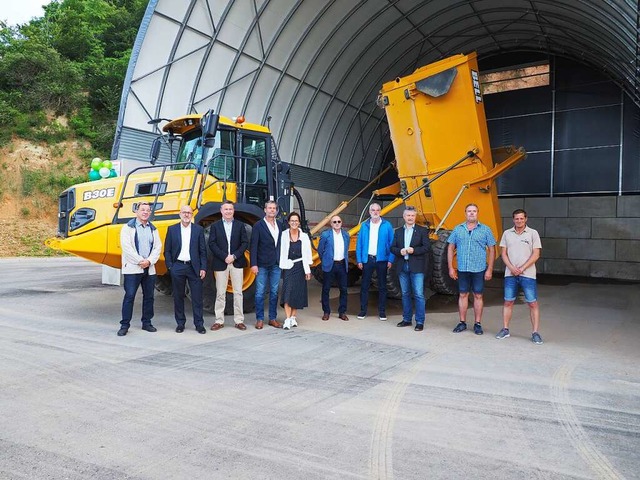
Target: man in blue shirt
pixel 373 253
pixel 471 240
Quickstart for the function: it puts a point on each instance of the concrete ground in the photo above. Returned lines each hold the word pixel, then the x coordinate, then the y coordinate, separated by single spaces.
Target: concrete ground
pixel 328 400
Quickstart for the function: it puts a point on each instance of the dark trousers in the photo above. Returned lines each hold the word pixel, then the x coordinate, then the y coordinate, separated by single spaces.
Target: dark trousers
pixel 367 272
pixel 180 275
pixel 131 283
pixel 339 273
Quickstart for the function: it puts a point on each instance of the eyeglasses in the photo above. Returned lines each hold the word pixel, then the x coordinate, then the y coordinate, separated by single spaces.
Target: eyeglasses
pixel 336 221
pixel 186 213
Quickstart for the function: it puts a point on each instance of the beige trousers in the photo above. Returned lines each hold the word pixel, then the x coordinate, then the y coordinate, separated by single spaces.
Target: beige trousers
pixel 222 280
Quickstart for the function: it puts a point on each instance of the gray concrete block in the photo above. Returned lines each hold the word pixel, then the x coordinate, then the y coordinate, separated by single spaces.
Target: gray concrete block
pixel 309 197
pixel 588 249
pixel 628 206
pixel 617 270
pixel 567 267
pixel 325 201
pixel 616 228
pixel 567 228
pixel 313 216
pixel 592 206
pixel 628 250
pixel 554 248
pixel 547 207
pixel 508 205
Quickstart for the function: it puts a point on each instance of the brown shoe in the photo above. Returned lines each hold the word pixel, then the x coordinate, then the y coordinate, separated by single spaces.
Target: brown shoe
pixel 241 326
pixel 275 324
pixel 342 316
pixel 259 324
pixel 325 317
pixel 217 326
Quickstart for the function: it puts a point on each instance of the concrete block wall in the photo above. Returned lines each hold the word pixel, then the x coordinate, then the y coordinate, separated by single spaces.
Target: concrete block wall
pixel 584 236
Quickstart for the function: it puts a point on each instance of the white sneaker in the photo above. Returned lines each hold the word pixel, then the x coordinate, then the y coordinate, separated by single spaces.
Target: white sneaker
pixel 294 322
pixel 287 324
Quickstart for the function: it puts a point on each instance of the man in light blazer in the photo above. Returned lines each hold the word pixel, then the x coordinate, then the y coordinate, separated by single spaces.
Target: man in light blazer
pixel 228 242
pixel 333 250
pixel 185 254
pixel 411 247
pixel 264 256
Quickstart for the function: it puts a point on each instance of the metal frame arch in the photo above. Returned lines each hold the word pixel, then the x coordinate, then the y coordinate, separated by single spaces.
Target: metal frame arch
pixel 205 58
pixel 290 58
pixel 266 56
pixel 306 74
pixel 240 52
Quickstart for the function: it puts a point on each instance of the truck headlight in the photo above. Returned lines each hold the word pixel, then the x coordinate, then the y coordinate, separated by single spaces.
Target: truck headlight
pixel 81 217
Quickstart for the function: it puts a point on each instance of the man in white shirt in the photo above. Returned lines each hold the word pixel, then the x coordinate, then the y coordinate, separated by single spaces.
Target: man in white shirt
pixel 521 249
pixel 333 250
pixel 185 254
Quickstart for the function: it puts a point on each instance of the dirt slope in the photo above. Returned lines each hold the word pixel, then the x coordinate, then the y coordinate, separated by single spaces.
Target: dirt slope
pixel 27 219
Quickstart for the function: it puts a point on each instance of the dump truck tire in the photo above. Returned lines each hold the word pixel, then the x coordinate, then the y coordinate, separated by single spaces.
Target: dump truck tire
pixel 163 284
pixel 209 287
pixel 441 282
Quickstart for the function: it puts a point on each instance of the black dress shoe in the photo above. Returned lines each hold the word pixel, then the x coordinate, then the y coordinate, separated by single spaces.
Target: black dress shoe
pixel 149 328
pixel 201 329
pixel 180 329
pixel 419 328
pixel 122 332
pixel 404 324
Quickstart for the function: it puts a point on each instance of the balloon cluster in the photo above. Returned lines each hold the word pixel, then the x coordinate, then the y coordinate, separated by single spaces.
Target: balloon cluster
pixel 101 169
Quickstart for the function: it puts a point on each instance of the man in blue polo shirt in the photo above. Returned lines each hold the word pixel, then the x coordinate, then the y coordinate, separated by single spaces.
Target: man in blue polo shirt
pixel 471 240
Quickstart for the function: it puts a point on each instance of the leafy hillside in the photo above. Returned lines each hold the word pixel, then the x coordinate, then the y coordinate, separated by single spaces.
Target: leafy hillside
pixel 60 83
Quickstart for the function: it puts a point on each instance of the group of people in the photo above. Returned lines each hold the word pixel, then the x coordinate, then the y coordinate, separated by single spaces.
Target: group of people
pixel 277 252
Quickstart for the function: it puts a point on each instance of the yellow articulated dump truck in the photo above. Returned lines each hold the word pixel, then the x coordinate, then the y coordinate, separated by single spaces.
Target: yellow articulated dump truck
pixel 217 159
pixel 443 158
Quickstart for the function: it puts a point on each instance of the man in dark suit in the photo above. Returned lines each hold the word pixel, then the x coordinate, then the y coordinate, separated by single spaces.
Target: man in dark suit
pixel 411 247
pixel 265 257
pixel 228 241
pixel 333 250
pixel 185 254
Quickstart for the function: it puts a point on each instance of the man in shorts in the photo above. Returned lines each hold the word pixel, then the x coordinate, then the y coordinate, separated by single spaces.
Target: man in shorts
pixel 471 240
pixel 521 248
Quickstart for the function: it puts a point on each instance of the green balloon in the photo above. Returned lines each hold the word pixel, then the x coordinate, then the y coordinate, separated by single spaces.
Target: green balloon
pixel 107 164
pixel 94 175
pixel 113 173
pixel 96 163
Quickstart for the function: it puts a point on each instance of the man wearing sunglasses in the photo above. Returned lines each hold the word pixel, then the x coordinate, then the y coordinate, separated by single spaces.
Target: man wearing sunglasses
pixel 333 250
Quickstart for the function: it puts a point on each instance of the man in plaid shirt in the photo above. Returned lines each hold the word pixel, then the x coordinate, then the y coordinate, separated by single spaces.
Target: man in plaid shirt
pixel 471 240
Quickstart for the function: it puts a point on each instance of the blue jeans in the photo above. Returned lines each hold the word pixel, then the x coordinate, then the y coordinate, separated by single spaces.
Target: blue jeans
pixel 367 273
pixel 412 284
pixel 267 276
pixel 131 283
pixel 528 286
pixel 471 281
pixel 339 273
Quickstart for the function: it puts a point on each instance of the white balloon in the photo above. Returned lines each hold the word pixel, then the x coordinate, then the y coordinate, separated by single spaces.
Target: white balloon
pixel 104 172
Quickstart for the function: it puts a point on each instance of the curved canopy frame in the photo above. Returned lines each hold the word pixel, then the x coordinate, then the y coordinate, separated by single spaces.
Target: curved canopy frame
pixel 312 69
